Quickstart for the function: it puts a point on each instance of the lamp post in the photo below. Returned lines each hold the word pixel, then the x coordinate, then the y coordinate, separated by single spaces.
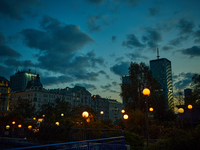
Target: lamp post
pixel 123 111
pixel 181 111
pixel 125 119
pixel 190 109
pixel 101 112
pixel 146 92
pixel 85 115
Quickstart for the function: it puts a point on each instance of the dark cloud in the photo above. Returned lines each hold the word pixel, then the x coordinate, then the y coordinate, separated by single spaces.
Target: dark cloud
pixel 19 63
pixel 182 80
pixel 56 37
pixel 154 11
pixel 106 87
pixel 167 48
pixel 95 23
pixel 96 2
pixel 133 56
pixel 132 41
pixel 185 26
pixel 152 37
pixel 192 52
pixel 15 9
pixel 6 71
pixel 58 44
pixel 6 51
pixel 178 40
pixel 114 38
pixel 120 68
pixel 48 81
pixel 89 87
pixel 115 83
pixel 131 3
pixel 197 36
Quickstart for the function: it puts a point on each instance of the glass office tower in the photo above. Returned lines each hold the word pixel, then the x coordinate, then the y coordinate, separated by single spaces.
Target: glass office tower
pixel 162 72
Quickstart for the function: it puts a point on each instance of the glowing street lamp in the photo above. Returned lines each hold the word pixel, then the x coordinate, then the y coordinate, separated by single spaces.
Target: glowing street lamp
pixel 146 92
pixel 19 125
pixel 85 114
pixel 123 111
pixel 125 116
pixel 62 115
pixel 190 106
pixel 7 127
pixel 30 127
pixel 13 122
pixel 34 118
pixel 57 123
pixel 190 109
pixel 101 112
pixel 43 116
pixel 151 109
pixel 181 111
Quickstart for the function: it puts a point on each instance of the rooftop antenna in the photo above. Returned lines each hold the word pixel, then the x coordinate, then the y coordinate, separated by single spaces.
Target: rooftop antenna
pixel 158 54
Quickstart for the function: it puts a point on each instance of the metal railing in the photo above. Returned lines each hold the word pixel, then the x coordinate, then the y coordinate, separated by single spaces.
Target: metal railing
pixel 112 143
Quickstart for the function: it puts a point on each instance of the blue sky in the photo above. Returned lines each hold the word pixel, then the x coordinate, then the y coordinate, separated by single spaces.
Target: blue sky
pixel 92 42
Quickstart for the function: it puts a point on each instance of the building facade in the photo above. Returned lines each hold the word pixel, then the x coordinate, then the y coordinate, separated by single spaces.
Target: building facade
pixel 111 108
pixel 20 80
pixel 4 95
pixel 162 72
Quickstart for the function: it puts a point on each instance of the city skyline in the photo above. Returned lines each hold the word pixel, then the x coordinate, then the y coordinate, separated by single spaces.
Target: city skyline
pixel 91 43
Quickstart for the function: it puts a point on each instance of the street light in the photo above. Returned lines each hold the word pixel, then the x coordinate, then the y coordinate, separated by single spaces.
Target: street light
pixel 125 116
pixel 7 127
pixel 34 118
pixel 146 92
pixel 123 111
pixel 190 106
pixel 190 110
pixel 30 127
pixel 101 112
pixel 62 115
pixel 85 114
pixel 19 125
pixel 181 111
pixel 151 109
pixel 57 123
pixel 13 122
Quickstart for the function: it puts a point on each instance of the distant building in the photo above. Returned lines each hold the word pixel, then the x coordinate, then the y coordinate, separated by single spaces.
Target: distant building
pixel 111 108
pixel 187 94
pixel 39 96
pixel 4 95
pixel 162 72
pixel 125 79
pixel 20 80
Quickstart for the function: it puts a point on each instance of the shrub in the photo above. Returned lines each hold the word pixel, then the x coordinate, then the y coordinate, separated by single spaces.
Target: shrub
pixel 133 140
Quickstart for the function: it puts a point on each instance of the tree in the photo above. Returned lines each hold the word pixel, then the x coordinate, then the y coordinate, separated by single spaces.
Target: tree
pixel 196 83
pixel 24 109
pixel 53 111
pixel 140 78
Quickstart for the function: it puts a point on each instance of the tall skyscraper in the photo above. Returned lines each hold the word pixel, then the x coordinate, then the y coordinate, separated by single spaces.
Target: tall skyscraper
pixel 20 80
pixel 162 72
pixel 125 79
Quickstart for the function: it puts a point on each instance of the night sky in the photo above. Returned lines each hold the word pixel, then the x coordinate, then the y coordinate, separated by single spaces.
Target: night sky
pixel 92 42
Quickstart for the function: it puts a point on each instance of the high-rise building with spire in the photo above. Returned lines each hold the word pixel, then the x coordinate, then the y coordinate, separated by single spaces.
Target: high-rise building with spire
pixel 162 72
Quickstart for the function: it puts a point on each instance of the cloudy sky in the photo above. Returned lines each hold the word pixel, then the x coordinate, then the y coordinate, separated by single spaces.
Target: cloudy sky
pixel 92 42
